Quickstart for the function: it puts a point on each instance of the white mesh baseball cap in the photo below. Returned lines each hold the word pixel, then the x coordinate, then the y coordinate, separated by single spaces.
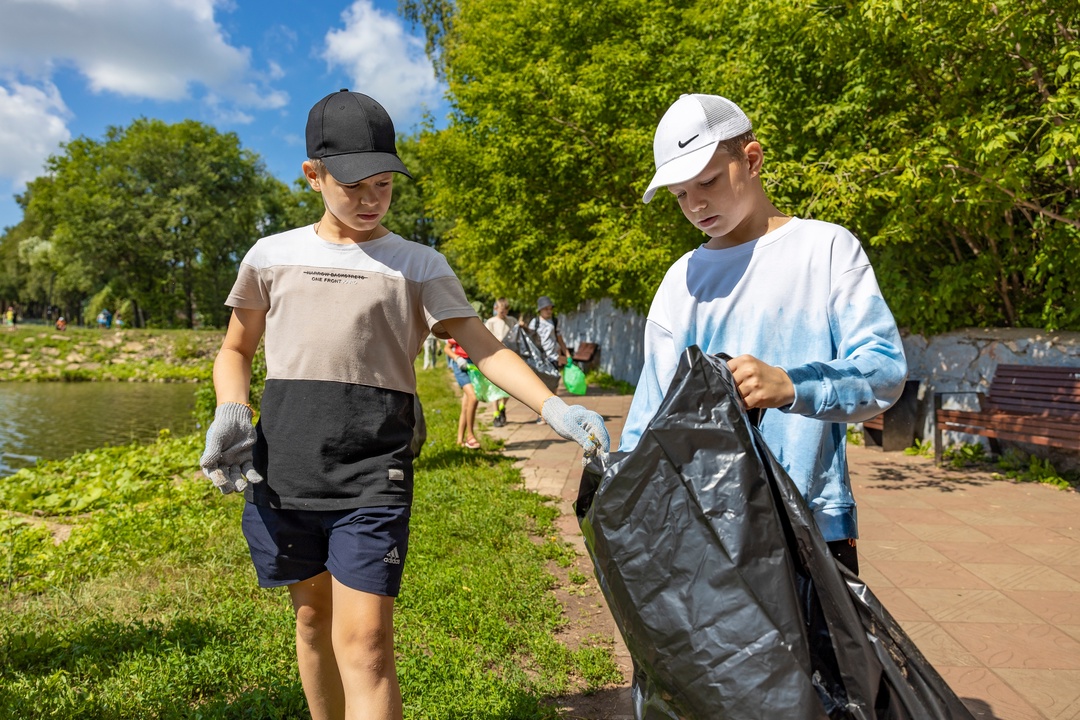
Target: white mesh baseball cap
pixel 687 136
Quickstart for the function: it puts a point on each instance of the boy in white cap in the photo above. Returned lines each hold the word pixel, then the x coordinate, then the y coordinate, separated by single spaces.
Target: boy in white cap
pixel 345 306
pixel 794 301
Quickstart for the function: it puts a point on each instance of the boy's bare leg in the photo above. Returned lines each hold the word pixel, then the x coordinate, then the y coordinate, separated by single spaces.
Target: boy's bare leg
pixel 364 647
pixel 467 419
pixel 470 412
pixel 313 603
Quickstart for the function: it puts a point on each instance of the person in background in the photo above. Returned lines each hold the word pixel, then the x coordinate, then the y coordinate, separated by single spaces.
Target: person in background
pixel 458 360
pixel 505 329
pixel 61 324
pixel 546 327
pixel 545 330
pixel 431 351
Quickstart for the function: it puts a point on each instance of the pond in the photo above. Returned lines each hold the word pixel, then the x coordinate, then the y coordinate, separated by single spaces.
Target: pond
pixel 55 420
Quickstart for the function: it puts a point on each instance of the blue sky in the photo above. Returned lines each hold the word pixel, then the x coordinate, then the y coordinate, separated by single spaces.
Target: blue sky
pixel 71 68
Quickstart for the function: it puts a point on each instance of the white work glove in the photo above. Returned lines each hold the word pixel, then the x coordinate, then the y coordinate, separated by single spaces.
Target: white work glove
pixel 577 423
pixel 229 440
pixel 461 362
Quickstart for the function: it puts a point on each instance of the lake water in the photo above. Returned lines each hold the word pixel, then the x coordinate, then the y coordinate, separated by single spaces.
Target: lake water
pixel 55 420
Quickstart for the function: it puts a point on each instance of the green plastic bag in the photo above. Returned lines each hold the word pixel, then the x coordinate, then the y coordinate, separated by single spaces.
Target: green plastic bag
pixel 485 390
pixel 574 378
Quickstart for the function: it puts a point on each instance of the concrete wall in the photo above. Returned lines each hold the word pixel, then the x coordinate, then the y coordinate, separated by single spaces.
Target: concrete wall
pixel 963 362
pixel 955 362
pixel 620 334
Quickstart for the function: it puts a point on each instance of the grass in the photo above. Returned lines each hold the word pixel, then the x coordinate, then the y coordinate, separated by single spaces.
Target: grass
pixel 37 352
pixel 601 379
pixel 126 592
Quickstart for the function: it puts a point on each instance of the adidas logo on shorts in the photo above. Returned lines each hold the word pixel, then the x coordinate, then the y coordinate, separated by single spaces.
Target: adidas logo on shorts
pixel 392 557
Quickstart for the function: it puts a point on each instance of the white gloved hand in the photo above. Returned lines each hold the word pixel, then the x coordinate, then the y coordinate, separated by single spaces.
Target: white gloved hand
pixel 577 423
pixel 461 362
pixel 229 440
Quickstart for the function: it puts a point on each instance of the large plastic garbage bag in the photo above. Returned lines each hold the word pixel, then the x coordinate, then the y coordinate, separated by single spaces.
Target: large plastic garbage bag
pixel 535 358
pixel 722 586
pixel 486 391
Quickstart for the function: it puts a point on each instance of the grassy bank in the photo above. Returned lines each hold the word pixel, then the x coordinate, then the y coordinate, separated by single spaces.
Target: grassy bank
pixel 126 592
pixel 37 352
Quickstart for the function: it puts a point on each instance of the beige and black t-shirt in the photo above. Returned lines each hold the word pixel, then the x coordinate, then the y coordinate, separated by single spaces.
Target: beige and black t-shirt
pixel 344 324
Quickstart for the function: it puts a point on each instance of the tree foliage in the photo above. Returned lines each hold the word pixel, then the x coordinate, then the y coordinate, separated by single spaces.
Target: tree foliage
pixel 158 215
pixel 944 134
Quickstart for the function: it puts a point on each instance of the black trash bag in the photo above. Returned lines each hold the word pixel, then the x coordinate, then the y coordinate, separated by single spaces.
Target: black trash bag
pixel 722 586
pixel 534 357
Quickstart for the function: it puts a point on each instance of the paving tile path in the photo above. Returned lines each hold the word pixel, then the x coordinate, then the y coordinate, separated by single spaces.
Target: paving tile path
pixel 983 574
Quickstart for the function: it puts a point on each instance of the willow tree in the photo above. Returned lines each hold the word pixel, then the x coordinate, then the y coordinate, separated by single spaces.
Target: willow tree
pixel 944 134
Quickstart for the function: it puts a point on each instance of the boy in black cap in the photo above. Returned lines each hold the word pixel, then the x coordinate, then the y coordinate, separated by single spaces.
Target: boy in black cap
pixel 345 306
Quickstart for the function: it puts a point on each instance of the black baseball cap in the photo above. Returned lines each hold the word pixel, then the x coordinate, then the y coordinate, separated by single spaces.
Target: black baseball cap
pixel 354 137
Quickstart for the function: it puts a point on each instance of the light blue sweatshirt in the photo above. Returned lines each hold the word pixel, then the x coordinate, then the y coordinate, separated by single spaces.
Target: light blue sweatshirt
pixel 803 298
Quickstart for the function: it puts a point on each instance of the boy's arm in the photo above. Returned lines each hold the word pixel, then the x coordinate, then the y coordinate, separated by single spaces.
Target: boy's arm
pixel 867 376
pixel 507 370
pixel 498 363
pixel 227 459
pixel 232 367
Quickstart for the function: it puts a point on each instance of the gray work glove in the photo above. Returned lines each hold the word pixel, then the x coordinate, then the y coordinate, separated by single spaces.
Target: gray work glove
pixel 461 362
pixel 229 440
pixel 577 423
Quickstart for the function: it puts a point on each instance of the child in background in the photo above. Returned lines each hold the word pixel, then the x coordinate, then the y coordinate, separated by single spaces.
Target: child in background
pixel 458 360
pixel 505 329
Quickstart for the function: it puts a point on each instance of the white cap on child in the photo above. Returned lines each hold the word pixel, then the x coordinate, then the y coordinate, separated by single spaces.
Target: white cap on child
pixel 687 136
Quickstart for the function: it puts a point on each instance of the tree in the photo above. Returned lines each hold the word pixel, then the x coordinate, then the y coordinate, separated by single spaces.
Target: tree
pixel 160 213
pixel 944 134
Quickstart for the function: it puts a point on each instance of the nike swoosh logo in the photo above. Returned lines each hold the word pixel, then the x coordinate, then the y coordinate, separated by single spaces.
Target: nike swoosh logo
pixel 684 144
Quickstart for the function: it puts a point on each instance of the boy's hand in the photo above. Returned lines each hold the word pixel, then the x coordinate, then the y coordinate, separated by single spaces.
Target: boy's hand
pixel 461 362
pixel 761 385
pixel 229 439
pixel 577 423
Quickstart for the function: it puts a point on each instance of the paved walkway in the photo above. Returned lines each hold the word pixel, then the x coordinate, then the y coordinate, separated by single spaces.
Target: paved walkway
pixel 983 574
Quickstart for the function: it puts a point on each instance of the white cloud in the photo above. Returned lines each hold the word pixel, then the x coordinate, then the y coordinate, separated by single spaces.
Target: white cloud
pixel 384 62
pixel 33 124
pixel 141 49
pixel 138 48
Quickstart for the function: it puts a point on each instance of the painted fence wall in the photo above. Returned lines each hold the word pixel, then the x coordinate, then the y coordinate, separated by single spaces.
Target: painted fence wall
pixel 960 361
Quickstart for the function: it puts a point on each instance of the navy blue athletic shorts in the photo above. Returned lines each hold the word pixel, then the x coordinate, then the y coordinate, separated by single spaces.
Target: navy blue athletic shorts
pixel 363 548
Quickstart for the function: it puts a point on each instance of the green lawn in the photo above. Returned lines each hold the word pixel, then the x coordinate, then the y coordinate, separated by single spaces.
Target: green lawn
pixel 126 592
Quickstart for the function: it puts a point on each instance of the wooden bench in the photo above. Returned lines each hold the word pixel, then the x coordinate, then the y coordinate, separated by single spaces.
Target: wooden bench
pixel 894 429
pixel 587 355
pixel 1026 403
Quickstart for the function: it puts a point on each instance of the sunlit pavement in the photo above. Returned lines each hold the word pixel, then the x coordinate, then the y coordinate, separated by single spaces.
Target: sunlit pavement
pixel 983 574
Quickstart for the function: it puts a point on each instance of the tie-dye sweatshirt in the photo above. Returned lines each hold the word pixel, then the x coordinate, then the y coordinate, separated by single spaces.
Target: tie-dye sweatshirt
pixel 803 298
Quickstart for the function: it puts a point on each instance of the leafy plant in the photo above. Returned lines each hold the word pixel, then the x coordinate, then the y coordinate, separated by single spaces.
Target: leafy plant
pixel 1022 467
pixel 965 454
pixel 921 448
pixel 601 379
